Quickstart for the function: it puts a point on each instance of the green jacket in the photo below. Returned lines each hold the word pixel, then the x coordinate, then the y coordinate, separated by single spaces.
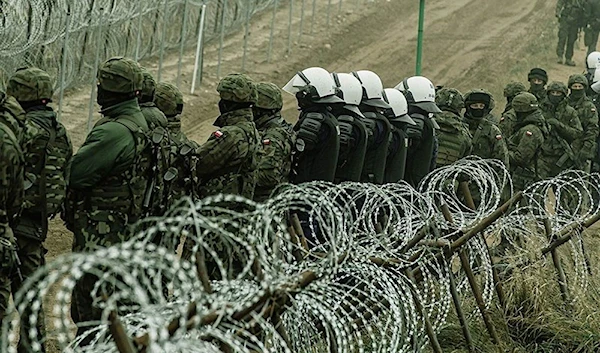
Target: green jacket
pixel 228 160
pixel 275 161
pixel 586 145
pixel 488 141
pixel 507 122
pixel 525 146
pixel 573 11
pixel 11 175
pixel 454 139
pixel 109 176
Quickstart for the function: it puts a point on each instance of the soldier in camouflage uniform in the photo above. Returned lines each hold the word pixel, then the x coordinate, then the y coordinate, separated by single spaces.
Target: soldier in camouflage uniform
pixel 571 15
pixel 228 160
pixel 11 192
pixel 154 116
pixel 586 145
pixel 564 127
pixel 277 141
pixel 525 145
pixel 108 175
pixel 488 142
pixel 593 25
pixel 47 150
pixel 454 138
pixel 538 78
pixel 169 100
pixel 508 117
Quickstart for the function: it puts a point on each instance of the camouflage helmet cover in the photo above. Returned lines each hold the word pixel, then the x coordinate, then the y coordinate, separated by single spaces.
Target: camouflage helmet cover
pixel 480 96
pixel 168 99
pixel 449 98
pixel 30 84
pixel 513 88
pixel 120 75
pixel 269 96
pixel 148 84
pixel 238 88
pixel 577 78
pixel 525 102
pixel 558 86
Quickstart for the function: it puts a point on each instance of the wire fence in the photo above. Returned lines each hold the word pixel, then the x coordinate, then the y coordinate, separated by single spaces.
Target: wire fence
pixel 319 267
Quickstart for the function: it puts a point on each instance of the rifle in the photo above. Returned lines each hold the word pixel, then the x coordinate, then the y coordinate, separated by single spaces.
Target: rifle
pixel 158 135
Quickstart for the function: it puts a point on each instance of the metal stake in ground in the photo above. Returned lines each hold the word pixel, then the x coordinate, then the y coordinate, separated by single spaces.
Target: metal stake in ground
pixel 562 279
pixel 163 38
pixel 199 46
pixel 63 66
pixel 312 20
pixel 289 47
pixel 275 5
pixel 420 36
pixel 246 34
pixel 182 40
pixel 96 63
pixel 435 344
pixel 301 21
pixel 221 38
pixel 328 12
pixel 138 40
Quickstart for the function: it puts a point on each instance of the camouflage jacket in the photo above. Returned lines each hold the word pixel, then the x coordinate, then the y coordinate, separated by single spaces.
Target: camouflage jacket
pixel 182 159
pixel 11 165
pixel 488 141
pixel 588 116
pixel 108 178
pixel 508 119
pixel 275 162
pixel 227 162
pixel 525 146
pixel 454 139
pixel 573 11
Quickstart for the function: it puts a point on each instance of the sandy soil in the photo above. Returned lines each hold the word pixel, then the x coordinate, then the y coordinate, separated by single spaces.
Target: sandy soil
pixel 468 44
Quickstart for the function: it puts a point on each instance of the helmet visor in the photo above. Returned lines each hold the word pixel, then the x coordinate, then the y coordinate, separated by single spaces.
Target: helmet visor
pixel 429 107
pixel 377 103
pixel 404 119
pixel 354 109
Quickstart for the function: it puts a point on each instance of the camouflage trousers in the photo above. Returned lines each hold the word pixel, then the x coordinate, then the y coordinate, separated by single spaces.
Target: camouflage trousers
pixel 591 39
pixel 31 253
pixel 567 36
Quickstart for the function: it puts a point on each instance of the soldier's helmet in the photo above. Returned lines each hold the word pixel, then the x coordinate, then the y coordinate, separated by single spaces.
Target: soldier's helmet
pixel 525 102
pixel 29 85
pixel 513 88
pixel 314 84
pixel 238 88
pixel 419 92
pixel 120 75
pixel 450 98
pixel 372 89
pixel 557 86
pixel 350 90
pixel 269 96
pixel 480 96
pixel 168 99
pixel 577 78
pixel 148 84
pixel 593 59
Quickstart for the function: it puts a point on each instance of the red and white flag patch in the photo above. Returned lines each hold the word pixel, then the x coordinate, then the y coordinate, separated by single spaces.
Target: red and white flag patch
pixel 266 142
pixel 498 137
pixel 218 133
pixel 529 133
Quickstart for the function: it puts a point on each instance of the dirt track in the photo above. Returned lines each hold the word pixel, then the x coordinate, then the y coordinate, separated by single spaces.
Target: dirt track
pixel 468 44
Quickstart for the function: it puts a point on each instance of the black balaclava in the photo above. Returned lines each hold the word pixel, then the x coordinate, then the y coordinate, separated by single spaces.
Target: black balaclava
pixel 107 99
pixel 577 94
pixel 555 100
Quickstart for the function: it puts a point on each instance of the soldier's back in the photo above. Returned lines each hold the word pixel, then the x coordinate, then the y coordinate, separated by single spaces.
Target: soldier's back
pixel 454 139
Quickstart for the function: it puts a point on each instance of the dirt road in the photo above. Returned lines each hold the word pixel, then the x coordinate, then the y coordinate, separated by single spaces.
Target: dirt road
pixel 468 44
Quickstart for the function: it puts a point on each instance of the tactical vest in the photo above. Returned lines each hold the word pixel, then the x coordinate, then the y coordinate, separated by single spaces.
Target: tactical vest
pixel 125 193
pixel 353 148
pixel 46 153
pixel 451 147
pixel 183 160
pixel 395 165
pixel 377 148
pixel 317 147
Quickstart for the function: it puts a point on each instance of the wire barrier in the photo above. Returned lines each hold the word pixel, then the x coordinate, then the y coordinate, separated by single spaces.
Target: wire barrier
pixel 318 267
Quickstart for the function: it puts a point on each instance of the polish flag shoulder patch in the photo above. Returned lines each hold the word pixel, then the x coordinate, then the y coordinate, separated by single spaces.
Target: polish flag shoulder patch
pixel 529 133
pixel 266 142
pixel 498 137
pixel 501 119
pixel 218 133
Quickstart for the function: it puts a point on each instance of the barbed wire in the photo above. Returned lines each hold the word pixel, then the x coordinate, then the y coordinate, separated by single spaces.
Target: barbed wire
pixel 316 267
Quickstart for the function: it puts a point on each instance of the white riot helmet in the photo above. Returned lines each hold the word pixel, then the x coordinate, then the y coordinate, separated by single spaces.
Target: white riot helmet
pixel 316 84
pixel 592 60
pixel 351 91
pixel 399 105
pixel 420 92
pixel 372 88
